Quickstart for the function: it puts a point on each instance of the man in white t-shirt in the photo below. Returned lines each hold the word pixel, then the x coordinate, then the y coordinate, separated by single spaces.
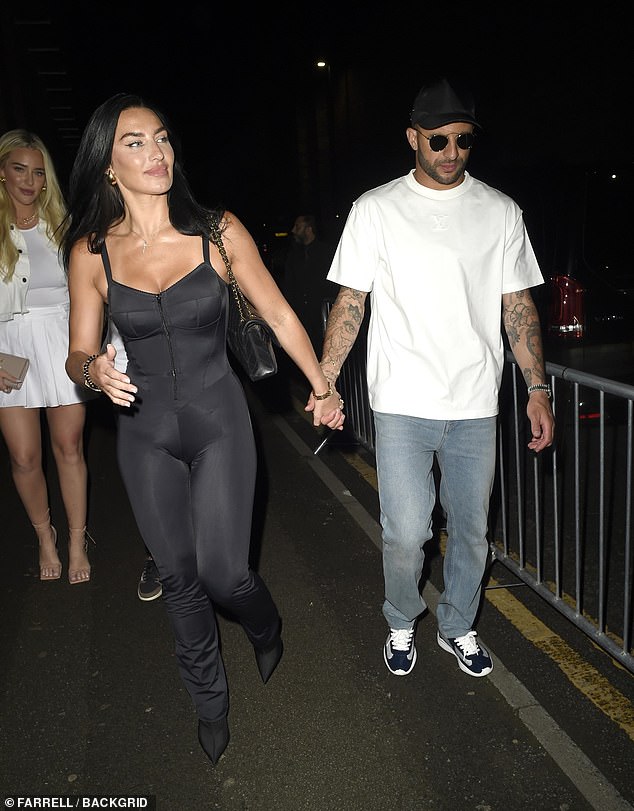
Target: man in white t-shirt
pixel 445 259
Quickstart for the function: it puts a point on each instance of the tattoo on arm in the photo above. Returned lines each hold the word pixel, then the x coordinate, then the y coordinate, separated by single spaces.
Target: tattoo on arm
pixel 344 323
pixel 521 322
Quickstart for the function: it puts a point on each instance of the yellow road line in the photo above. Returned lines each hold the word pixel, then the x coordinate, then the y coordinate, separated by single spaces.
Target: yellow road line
pixel 363 468
pixel 585 678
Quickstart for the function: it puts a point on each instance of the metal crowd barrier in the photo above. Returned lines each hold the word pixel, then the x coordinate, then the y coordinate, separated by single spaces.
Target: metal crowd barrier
pixel 562 521
pixel 564 518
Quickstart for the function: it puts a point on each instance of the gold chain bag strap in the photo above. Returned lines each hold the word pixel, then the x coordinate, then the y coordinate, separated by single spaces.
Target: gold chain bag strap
pixel 249 337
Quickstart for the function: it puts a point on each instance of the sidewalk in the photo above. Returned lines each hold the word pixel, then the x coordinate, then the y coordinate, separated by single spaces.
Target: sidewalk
pixel 92 703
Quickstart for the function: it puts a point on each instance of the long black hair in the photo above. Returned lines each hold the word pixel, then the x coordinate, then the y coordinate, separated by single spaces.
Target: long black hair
pixel 95 205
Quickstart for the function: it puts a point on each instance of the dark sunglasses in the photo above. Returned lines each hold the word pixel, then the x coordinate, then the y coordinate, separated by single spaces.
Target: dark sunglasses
pixel 438 142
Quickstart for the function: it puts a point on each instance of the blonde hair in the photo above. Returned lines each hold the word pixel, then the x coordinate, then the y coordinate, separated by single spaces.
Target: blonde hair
pixel 50 202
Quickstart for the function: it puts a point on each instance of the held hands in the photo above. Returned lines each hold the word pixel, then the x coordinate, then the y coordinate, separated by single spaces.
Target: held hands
pixel 116 385
pixel 542 421
pixel 328 411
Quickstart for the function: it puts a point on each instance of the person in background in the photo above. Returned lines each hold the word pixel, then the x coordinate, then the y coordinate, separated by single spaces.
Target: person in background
pixel 306 287
pixel 445 259
pixel 149 586
pixel 34 325
pixel 138 240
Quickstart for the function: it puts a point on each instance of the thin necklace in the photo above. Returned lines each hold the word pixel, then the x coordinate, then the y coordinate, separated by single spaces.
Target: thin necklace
pixel 27 220
pixel 147 243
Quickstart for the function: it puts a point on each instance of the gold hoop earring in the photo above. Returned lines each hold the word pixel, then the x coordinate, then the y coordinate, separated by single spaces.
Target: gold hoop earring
pixel 3 179
pixel 111 177
pixel 44 188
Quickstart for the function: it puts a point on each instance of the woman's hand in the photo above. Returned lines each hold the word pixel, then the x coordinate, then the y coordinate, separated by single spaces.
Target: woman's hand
pixel 7 382
pixel 114 384
pixel 327 412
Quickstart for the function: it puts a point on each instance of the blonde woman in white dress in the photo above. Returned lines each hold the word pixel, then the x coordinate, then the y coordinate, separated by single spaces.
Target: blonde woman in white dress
pixel 34 324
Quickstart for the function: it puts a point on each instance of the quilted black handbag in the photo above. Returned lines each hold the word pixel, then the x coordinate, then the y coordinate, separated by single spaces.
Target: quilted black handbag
pixel 249 337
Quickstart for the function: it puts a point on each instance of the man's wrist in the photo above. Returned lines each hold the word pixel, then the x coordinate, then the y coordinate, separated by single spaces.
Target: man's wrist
pixel 329 368
pixel 545 387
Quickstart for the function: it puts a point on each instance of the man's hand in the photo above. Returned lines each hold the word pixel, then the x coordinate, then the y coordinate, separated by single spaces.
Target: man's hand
pixel 542 421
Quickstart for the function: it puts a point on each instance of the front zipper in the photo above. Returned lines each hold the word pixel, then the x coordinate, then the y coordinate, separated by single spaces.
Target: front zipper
pixel 159 301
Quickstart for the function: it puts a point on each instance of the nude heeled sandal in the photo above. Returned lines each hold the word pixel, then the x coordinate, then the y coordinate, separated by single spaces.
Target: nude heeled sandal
pixel 50 569
pixel 78 573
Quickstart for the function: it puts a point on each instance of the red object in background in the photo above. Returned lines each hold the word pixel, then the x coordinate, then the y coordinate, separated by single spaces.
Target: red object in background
pixel 567 312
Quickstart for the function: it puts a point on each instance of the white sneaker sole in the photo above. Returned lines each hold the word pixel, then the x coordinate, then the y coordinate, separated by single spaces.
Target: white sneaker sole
pixel 149 598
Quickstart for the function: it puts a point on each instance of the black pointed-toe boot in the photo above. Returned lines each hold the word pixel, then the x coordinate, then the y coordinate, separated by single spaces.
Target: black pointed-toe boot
pixel 268 658
pixel 214 737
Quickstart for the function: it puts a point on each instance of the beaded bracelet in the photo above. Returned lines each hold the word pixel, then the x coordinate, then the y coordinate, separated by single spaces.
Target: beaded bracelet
pixel 88 381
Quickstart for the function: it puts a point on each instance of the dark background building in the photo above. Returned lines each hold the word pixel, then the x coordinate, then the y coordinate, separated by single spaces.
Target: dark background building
pixel 268 133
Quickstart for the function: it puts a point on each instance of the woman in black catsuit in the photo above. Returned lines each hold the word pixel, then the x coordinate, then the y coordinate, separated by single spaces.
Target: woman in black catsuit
pixel 138 241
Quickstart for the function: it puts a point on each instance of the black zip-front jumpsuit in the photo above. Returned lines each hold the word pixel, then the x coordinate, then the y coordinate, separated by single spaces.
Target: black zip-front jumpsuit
pixel 187 457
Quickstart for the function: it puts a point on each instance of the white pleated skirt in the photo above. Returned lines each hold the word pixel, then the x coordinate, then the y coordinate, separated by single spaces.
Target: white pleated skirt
pixel 41 335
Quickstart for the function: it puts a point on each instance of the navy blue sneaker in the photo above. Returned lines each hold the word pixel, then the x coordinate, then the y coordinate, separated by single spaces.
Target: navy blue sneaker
pixel 399 651
pixel 150 587
pixel 472 657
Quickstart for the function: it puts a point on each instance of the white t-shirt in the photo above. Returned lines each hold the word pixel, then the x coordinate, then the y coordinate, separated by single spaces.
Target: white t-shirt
pixel 436 264
pixel 48 285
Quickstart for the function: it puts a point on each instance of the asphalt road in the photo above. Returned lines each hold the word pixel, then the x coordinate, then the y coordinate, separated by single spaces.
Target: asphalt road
pixel 92 703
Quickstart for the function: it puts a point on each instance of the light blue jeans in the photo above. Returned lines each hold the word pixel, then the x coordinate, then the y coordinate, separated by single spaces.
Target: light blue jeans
pixel 405 451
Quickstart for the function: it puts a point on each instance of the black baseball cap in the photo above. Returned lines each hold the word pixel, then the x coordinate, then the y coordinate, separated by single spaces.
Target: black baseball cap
pixel 438 103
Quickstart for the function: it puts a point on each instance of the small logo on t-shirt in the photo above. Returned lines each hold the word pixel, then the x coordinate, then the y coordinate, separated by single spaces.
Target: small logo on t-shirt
pixel 440 222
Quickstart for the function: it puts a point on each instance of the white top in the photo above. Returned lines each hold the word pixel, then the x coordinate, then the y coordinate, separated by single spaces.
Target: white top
pixel 48 285
pixel 113 336
pixel 436 264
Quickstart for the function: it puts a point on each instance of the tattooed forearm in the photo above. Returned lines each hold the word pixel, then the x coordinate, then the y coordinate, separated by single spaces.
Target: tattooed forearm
pixel 344 323
pixel 521 322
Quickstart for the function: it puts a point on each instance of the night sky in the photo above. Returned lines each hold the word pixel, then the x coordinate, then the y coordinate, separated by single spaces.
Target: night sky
pixel 550 82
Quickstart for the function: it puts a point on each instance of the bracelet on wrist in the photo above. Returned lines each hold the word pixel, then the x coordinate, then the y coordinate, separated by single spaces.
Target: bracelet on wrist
pixel 326 394
pixel 545 387
pixel 88 381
